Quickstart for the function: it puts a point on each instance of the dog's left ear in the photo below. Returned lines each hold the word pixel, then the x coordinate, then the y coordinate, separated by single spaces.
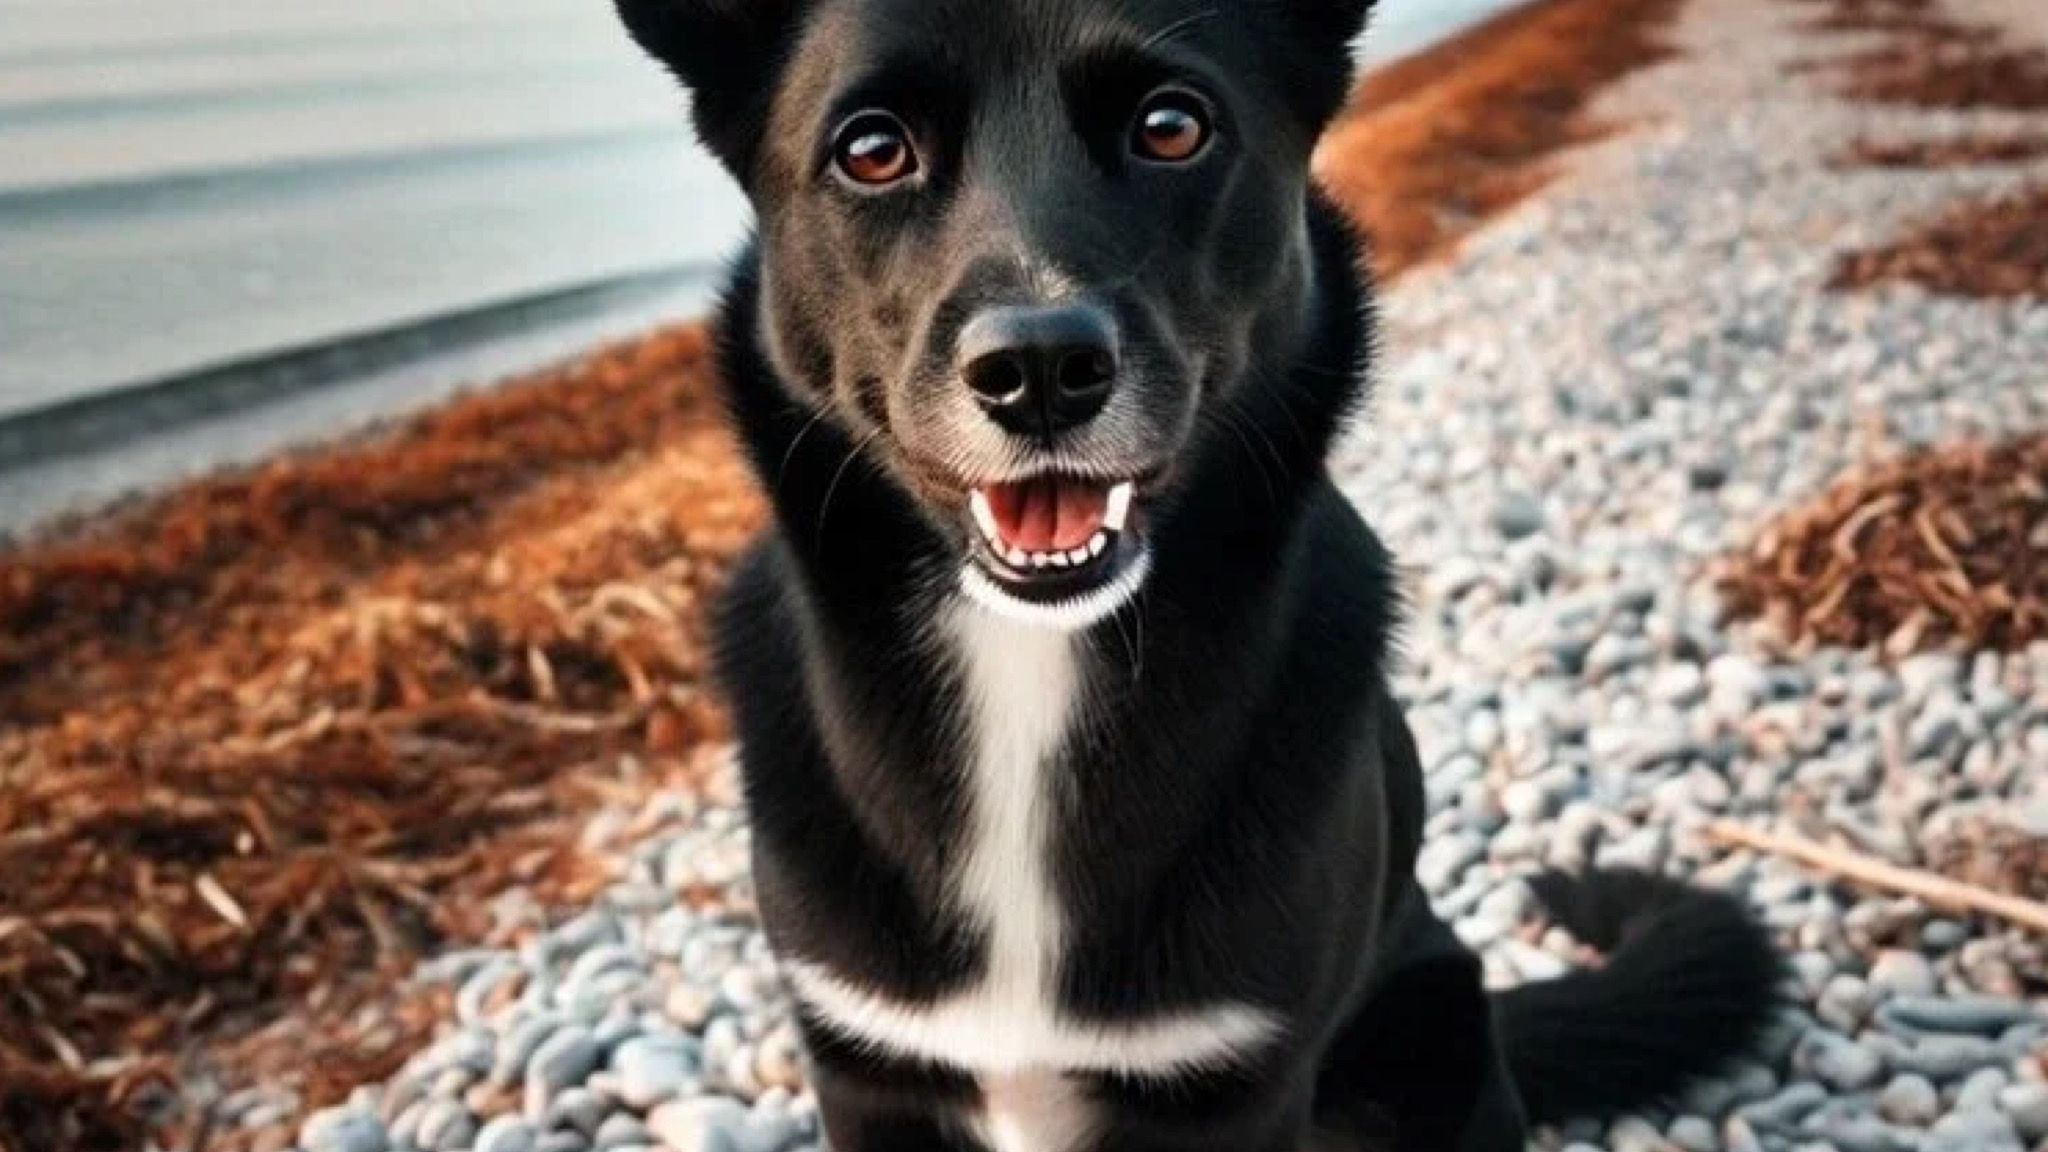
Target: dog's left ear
pixel 728 53
pixel 1320 37
pixel 1332 22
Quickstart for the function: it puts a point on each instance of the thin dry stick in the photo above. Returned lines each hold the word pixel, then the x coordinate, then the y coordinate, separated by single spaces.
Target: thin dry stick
pixel 1938 891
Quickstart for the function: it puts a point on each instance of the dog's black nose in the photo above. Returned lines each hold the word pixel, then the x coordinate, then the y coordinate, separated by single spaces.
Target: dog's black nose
pixel 1040 371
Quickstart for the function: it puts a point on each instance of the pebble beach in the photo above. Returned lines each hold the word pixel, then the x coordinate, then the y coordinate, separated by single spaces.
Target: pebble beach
pixel 1599 394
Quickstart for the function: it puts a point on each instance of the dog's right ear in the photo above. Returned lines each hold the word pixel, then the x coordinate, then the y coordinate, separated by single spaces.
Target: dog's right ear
pixel 728 53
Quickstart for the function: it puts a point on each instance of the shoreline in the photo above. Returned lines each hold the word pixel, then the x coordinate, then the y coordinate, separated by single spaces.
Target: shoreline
pixel 525 569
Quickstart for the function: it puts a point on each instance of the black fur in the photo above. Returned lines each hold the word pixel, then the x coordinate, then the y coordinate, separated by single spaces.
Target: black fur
pixel 1240 801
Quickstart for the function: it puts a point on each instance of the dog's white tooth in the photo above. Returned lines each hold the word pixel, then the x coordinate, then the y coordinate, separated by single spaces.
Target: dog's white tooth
pixel 984 516
pixel 1098 544
pixel 1119 509
pixel 1058 559
pixel 1039 560
pixel 1078 555
pixel 1018 558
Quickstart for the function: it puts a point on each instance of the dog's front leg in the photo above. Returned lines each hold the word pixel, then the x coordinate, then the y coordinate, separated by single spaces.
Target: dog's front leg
pixel 855 1123
pixel 874 1103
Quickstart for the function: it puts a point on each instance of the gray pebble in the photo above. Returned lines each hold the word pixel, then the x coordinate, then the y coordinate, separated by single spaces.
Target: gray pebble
pixel 1946 1058
pixel 1973 1132
pixel 1680 685
pixel 2026 1105
pixel 1911 1100
pixel 562 1060
pixel 1516 515
pixel 1922 674
pixel 1634 1134
pixel 506 1134
pixel 585 932
pixel 1896 972
pixel 579 1109
pixel 470 998
pixel 563 1142
pixel 1864 1133
pixel 516 1050
pixel 1845 1003
pixel 445 1126
pixel 1693 1134
pixel 1839 1062
pixel 702 1124
pixel 343 1130
pixel 1443 859
pixel 1788 1107
pixel 1979 1091
pixel 653 1069
pixel 619 1131
pixel 1956 1015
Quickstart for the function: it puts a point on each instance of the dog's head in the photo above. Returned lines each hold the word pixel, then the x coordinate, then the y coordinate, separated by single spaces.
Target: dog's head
pixel 1022 248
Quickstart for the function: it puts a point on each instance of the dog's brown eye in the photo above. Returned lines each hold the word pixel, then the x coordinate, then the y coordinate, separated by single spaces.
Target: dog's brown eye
pixel 1172 127
pixel 874 149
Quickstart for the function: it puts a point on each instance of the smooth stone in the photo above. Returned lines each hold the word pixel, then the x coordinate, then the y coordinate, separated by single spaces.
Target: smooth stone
pixel 1946 1058
pixel 584 932
pixel 1973 1132
pixel 1956 1015
pixel 1634 1134
pixel 1862 1133
pixel 507 1134
pixel 471 999
pixel 344 1130
pixel 1911 1100
pixel 1845 1003
pixel 563 1142
pixel 702 1124
pixel 1516 515
pixel 1444 859
pixel 516 1050
pixel 1814 970
pixel 1693 1134
pixel 563 1060
pixel 1680 685
pixel 474 1049
pixel 2026 1105
pixel 1900 973
pixel 577 1108
pixel 1979 1091
pixel 1920 675
pixel 653 1069
pixel 1788 1107
pixel 618 1131
pixel 446 1126
pixel 779 1063
pixel 1528 801
pixel 599 960
pixel 1839 1062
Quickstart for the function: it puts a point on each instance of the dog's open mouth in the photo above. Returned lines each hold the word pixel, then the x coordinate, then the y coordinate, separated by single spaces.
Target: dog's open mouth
pixel 1051 538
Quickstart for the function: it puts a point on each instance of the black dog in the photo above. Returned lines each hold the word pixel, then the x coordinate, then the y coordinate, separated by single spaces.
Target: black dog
pixel 1083 816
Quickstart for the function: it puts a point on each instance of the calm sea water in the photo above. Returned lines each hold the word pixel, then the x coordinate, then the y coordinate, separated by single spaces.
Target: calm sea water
pixel 251 179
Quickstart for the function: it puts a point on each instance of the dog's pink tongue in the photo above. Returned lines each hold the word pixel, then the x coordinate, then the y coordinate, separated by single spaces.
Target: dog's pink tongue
pixel 1047 515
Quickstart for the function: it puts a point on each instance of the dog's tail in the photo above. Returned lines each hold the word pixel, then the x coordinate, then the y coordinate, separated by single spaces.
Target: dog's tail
pixel 1690 983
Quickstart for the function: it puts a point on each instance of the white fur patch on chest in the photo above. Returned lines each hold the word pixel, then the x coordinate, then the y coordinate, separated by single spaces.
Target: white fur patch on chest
pixel 1021 692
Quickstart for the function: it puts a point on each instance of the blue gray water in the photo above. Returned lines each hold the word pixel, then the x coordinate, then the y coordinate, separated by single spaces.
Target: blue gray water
pixel 252 180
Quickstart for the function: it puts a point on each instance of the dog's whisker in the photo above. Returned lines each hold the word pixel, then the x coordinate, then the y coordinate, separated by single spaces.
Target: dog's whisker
pixel 1228 419
pixel 1179 27
pixel 825 506
pixel 796 441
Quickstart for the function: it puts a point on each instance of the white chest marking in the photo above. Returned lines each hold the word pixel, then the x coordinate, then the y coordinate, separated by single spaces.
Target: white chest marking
pixel 1034 1112
pixel 1021 693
